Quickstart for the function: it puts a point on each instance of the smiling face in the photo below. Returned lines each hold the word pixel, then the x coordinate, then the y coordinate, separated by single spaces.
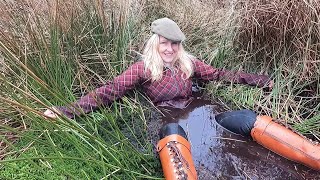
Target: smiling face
pixel 168 50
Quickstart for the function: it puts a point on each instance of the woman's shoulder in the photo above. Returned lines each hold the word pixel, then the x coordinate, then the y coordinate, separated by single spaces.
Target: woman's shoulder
pixel 197 62
pixel 139 69
pixel 138 66
pixel 139 63
pixel 195 59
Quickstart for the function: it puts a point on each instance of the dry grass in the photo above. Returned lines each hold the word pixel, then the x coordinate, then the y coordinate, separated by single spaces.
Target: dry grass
pixel 205 23
pixel 271 29
pixel 283 38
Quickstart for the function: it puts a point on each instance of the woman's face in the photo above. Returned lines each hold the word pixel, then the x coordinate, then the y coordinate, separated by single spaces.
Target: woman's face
pixel 168 50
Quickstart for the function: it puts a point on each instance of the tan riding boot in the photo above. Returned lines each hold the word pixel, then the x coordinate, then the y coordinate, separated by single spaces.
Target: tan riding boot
pixel 286 143
pixel 175 153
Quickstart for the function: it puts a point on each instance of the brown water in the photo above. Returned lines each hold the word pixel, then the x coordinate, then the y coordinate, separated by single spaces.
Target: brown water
pixel 220 154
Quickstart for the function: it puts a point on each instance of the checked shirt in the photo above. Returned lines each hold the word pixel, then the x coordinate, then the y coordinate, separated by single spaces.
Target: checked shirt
pixel 171 86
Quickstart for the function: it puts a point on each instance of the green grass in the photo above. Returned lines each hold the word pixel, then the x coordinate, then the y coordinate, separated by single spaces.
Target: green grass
pixel 103 144
pixel 54 66
pixel 52 53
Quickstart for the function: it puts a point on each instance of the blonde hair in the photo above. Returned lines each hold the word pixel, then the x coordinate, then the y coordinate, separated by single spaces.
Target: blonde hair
pixel 154 63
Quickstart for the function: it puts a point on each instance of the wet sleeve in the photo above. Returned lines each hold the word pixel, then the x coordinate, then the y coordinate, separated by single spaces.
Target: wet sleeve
pixel 106 94
pixel 207 72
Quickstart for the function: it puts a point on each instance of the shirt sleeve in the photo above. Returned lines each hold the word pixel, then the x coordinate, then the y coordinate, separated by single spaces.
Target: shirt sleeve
pixel 207 72
pixel 106 94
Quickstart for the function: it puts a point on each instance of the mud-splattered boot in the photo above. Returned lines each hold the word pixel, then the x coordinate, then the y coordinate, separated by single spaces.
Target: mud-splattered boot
pixel 175 153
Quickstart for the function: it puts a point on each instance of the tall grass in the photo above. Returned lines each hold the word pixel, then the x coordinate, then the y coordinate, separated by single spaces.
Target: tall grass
pixel 53 52
pixel 281 39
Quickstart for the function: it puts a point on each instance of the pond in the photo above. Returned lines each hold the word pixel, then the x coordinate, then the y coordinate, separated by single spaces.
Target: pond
pixel 221 154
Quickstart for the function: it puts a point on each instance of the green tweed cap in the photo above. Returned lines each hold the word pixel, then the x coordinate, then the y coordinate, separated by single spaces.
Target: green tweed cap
pixel 167 28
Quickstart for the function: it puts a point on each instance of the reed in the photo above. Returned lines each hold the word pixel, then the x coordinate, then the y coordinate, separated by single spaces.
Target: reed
pixel 281 39
pixel 52 53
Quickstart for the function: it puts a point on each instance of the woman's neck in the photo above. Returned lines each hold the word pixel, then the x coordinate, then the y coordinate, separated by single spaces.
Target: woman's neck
pixel 167 64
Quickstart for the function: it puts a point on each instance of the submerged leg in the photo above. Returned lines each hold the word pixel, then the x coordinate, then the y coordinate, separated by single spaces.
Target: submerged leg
pixel 175 153
pixel 273 136
pixel 239 122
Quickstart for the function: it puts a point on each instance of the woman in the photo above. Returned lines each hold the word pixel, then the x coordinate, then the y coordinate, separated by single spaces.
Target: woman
pixel 165 74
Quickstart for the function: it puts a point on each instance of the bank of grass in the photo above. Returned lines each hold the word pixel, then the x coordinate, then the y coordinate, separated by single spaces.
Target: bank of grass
pixel 54 52
pixel 281 39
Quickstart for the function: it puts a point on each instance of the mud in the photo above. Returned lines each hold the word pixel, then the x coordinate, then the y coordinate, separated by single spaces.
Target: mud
pixel 220 154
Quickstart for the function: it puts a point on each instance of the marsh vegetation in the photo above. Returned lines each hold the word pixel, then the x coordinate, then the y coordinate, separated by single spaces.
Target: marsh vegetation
pixel 53 52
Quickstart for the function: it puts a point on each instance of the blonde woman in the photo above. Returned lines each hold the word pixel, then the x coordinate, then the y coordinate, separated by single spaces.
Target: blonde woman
pixel 164 73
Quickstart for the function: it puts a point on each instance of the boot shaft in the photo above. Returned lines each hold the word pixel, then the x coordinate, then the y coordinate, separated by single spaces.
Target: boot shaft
pixel 285 142
pixel 175 154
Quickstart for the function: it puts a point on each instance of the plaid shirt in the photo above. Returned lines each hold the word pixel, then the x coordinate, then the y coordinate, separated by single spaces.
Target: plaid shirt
pixel 171 86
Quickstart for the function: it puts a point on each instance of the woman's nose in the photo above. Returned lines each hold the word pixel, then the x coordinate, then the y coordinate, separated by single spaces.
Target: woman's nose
pixel 169 47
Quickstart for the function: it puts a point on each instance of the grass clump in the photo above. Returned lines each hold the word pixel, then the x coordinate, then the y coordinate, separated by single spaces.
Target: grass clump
pixel 281 39
pixel 65 51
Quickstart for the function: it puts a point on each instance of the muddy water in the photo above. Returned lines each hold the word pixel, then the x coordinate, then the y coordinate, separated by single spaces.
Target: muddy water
pixel 220 154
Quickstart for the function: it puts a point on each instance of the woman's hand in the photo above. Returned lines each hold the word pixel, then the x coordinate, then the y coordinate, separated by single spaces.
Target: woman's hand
pixel 270 86
pixel 51 113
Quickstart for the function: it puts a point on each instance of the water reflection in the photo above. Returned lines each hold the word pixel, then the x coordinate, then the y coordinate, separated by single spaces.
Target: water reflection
pixel 220 154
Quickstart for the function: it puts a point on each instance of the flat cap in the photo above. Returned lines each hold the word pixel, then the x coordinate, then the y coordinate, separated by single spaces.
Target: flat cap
pixel 168 29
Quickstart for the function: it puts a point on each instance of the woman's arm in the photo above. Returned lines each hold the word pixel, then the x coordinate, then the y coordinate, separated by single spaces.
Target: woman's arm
pixel 207 72
pixel 106 94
